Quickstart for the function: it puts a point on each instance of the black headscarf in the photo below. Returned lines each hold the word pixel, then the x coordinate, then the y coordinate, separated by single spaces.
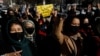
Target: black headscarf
pixel 23 44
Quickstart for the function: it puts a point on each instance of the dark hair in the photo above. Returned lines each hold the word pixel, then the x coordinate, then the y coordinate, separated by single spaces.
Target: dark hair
pixel 10 9
pixel 8 28
pixel 67 24
pixel 11 22
pixel 24 15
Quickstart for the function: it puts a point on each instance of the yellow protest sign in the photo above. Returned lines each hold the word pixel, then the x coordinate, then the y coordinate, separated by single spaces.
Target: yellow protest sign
pixel 45 10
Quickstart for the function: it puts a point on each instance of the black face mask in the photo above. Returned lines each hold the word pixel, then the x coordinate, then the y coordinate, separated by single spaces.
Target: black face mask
pixel 74 29
pixel 17 36
pixel 29 30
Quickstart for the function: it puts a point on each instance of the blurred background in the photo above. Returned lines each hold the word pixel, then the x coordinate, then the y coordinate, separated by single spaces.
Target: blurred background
pixel 9 2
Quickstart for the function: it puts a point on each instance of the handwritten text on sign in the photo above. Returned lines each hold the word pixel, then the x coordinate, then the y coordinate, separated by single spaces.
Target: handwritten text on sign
pixel 45 10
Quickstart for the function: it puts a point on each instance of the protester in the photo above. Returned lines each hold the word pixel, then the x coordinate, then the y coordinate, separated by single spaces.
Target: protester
pixel 74 36
pixel 68 37
pixel 16 44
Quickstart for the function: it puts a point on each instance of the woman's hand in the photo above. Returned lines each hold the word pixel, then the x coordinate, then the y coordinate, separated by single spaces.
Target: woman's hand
pixel 17 53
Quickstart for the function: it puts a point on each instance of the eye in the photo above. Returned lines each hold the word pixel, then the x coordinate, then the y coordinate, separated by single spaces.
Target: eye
pixel 12 31
pixel 16 28
pixel 20 30
pixel 75 24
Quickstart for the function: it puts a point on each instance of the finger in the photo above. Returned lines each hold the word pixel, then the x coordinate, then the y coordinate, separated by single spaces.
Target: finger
pixel 10 54
pixel 17 54
pixel 18 51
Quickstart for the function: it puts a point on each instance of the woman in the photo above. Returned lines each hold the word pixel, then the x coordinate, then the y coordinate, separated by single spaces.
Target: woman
pixel 15 43
pixel 67 35
pixel 30 30
pixel 86 32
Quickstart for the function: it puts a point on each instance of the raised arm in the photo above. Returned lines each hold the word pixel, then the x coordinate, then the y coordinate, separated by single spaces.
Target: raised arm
pixel 58 30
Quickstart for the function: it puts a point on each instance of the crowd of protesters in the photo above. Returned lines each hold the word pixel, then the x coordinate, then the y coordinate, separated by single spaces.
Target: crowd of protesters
pixel 25 32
